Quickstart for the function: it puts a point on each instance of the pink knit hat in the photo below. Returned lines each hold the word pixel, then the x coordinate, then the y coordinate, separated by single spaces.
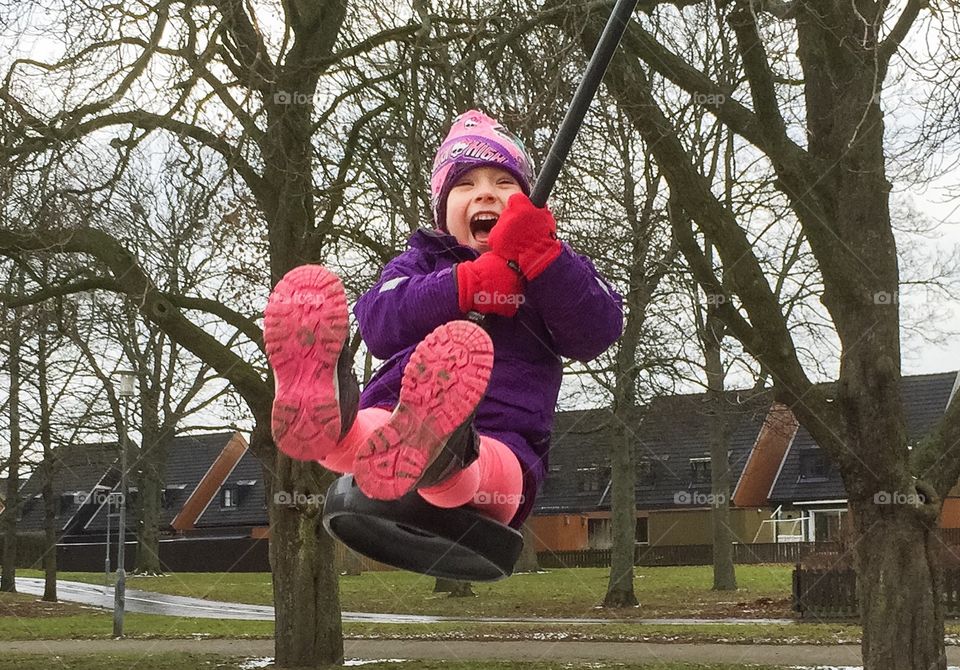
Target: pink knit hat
pixel 475 140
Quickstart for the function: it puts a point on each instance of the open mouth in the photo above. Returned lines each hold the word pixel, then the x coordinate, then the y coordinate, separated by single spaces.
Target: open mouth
pixel 481 225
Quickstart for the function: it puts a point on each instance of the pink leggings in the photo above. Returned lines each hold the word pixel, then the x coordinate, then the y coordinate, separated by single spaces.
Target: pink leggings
pixel 493 483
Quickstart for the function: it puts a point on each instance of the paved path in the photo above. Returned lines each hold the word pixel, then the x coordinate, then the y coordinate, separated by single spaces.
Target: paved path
pixel 146 602
pixel 634 652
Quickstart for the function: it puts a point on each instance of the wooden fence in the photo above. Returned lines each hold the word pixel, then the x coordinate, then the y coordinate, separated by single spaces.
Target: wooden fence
pixel 832 594
pixel 825 594
pixel 693 554
pixel 194 554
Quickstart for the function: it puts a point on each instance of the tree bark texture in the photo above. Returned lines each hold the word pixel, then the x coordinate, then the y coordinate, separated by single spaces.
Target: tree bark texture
pixel 900 587
pixel 150 479
pixel 724 573
pixel 12 504
pixel 528 561
pixel 302 559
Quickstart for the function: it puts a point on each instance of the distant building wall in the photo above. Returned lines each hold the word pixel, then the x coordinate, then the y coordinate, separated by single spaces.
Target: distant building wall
pixel 560 532
pixel 684 527
pixel 950 517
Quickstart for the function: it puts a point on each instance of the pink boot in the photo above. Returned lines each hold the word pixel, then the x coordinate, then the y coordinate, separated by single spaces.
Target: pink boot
pixel 429 435
pixel 304 330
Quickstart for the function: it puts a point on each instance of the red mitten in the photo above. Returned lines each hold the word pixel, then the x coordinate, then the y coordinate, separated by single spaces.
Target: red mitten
pixel 527 235
pixel 487 285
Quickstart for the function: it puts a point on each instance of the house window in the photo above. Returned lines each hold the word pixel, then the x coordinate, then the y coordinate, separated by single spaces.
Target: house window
pixel 171 493
pixel 699 471
pixel 814 465
pixel 828 525
pixel 228 498
pixel 598 534
pixel 646 472
pixel 592 478
pixel 642 534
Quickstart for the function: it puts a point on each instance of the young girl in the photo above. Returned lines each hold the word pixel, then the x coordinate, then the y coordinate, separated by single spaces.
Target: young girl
pixel 462 414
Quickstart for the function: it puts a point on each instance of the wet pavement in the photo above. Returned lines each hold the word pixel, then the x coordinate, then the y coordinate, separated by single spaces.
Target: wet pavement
pixel 148 602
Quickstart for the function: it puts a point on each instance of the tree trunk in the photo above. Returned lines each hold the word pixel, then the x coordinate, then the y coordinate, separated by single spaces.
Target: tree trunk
pixel 624 518
pixel 900 588
pixel 528 556
pixel 150 481
pixel 453 588
pixel 49 500
pixel 900 585
pixel 623 479
pixel 8 580
pixel 306 594
pixel 442 585
pixel 724 575
pixel 148 531
pixel 462 590
pixel 352 564
pixel 623 500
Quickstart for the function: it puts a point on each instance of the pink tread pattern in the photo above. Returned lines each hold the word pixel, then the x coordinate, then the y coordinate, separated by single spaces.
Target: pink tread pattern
pixel 304 328
pixel 442 385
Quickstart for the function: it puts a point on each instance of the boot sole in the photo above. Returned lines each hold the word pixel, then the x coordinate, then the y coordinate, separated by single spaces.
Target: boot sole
pixel 442 385
pixel 305 325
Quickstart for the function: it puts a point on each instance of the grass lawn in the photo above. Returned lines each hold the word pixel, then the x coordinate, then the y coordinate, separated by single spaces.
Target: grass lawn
pixel 571 593
pixel 23 617
pixel 209 662
pixel 681 592
pixel 114 661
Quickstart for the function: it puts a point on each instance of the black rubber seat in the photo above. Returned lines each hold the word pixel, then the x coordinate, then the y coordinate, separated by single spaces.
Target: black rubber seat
pixel 411 534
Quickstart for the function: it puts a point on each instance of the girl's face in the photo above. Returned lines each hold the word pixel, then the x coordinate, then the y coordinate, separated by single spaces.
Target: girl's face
pixel 475 203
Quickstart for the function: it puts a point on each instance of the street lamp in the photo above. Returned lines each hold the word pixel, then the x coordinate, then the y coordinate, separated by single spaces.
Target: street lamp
pixel 106 559
pixel 127 381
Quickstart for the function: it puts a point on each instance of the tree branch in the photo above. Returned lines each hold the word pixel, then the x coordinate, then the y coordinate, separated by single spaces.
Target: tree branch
pixel 152 304
pixel 769 339
pixel 895 38
pixel 243 324
pixel 48 292
pixel 51 135
pixel 248 46
pixel 757 67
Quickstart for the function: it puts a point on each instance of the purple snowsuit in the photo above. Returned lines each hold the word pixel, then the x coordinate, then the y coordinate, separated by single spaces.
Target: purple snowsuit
pixel 568 310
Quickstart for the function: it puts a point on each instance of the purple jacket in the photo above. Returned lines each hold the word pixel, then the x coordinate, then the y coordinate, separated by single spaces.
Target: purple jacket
pixel 569 310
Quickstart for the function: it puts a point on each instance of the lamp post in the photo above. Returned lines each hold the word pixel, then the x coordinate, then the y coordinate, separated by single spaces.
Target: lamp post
pixel 106 559
pixel 127 380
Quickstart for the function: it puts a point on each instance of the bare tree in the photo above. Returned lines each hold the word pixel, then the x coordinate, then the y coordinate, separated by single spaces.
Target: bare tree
pixel 12 331
pixel 837 188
